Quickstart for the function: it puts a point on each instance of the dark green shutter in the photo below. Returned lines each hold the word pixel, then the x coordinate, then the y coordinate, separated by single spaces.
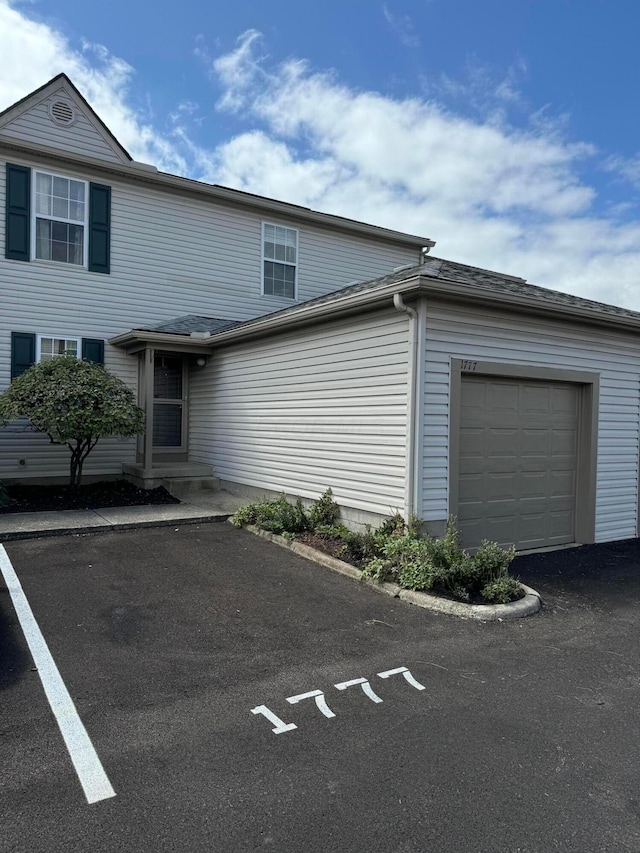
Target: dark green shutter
pixel 23 352
pixel 93 350
pixel 99 228
pixel 18 222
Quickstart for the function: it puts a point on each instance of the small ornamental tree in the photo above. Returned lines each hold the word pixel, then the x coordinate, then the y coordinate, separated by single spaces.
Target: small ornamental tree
pixel 75 403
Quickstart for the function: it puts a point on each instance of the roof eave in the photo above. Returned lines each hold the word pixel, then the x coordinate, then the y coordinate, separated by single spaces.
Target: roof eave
pixel 142 173
pixel 135 340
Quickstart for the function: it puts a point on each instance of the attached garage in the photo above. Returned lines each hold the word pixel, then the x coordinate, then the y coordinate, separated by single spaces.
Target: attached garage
pixel 519 460
pixel 439 391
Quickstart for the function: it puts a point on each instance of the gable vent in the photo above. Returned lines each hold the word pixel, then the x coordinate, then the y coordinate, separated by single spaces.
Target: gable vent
pixel 62 112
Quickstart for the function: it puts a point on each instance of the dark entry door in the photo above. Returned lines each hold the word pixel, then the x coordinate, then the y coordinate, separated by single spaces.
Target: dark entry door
pixel 169 404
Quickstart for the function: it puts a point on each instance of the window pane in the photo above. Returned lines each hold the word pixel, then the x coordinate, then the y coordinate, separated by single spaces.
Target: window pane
pixel 59 242
pixel 76 191
pixel 290 274
pixel 280 234
pixel 167 377
pixel 43 204
pixel 61 207
pixel 290 255
pixel 167 424
pixel 71 347
pixel 61 187
pixel 269 250
pixel 43 183
pixel 43 239
pixel 76 211
pixel 279 252
pixel 76 244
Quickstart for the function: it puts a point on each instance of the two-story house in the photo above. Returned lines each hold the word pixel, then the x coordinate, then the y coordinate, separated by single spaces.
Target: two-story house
pixel 289 350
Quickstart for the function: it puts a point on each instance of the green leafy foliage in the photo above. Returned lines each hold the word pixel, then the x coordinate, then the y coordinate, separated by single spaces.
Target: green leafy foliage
pixel 501 590
pixel 75 403
pixel 276 515
pixel 396 551
pixel 324 512
pixel 5 500
pixel 442 566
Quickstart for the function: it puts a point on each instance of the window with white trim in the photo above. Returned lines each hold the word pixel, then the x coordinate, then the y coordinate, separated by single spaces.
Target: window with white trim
pixel 279 261
pixel 60 219
pixel 49 347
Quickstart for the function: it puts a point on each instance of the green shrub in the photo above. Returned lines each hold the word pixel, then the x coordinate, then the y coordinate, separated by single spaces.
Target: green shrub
pixel 359 548
pixel 331 531
pixel 502 590
pixel 394 525
pixel 276 515
pixel 324 512
pixel 442 566
pixel 5 500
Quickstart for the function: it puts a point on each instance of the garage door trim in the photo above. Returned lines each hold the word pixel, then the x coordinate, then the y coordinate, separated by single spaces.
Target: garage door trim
pixel 589 388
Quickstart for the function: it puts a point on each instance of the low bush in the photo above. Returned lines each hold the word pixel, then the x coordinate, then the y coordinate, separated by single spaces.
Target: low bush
pixel 396 551
pixel 442 566
pixel 324 512
pixel 276 516
pixel 5 500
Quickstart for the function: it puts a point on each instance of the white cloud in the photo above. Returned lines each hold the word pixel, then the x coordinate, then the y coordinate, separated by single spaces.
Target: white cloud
pixel 34 52
pixel 490 193
pixel 403 27
pixel 493 194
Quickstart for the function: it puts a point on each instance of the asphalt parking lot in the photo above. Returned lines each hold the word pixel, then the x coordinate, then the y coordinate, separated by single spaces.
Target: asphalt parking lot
pixel 183 649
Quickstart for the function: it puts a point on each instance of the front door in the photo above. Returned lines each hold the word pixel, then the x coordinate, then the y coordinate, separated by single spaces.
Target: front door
pixel 169 404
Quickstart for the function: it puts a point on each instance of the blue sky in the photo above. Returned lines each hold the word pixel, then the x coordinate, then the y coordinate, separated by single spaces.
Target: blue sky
pixel 506 130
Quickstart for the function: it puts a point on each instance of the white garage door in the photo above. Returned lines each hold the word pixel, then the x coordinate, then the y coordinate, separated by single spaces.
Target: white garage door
pixel 518 461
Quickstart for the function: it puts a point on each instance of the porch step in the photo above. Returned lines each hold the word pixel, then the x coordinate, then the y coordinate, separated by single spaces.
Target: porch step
pixel 150 478
pixel 181 486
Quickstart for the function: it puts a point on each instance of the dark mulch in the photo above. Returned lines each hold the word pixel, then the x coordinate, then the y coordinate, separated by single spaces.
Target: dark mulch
pixel 332 547
pixel 107 493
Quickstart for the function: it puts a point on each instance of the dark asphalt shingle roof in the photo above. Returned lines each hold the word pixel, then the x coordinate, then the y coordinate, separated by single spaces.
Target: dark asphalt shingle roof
pixel 474 278
pixel 192 323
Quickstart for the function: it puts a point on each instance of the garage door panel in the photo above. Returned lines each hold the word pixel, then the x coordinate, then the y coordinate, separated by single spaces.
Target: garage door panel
pixel 565 399
pixel 534 441
pixel 518 461
pixel 502 397
pixel 562 484
pixel 564 441
pixel 535 399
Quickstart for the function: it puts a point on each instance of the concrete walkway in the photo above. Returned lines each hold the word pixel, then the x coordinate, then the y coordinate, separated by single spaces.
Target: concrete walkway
pixel 200 505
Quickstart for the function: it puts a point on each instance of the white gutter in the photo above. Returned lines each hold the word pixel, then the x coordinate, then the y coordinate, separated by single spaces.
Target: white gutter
pixel 412 373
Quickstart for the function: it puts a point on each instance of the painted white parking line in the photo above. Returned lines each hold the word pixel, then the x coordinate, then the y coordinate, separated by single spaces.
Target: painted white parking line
pixel 93 779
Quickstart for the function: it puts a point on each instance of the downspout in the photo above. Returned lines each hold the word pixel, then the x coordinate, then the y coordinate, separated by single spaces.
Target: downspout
pixel 412 373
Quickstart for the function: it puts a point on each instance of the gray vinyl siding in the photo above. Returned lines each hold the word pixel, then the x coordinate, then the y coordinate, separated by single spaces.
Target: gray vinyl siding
pixel 315 408
pixel 171 254
pixel 478 334
pixel 82 137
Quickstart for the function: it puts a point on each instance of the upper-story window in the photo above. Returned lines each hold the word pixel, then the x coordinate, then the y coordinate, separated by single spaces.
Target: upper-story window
pixel 60 213
pixel 56 218
pixel 279 261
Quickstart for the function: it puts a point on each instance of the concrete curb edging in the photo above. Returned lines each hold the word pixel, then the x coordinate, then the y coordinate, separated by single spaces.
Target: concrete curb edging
pixel 526 606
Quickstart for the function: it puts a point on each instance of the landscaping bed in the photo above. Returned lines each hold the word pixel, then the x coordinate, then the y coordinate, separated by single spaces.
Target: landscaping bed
pixel 396 553
pixel 106 493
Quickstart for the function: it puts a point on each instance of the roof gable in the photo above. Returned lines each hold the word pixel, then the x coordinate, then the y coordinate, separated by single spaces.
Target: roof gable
pixel 57 116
